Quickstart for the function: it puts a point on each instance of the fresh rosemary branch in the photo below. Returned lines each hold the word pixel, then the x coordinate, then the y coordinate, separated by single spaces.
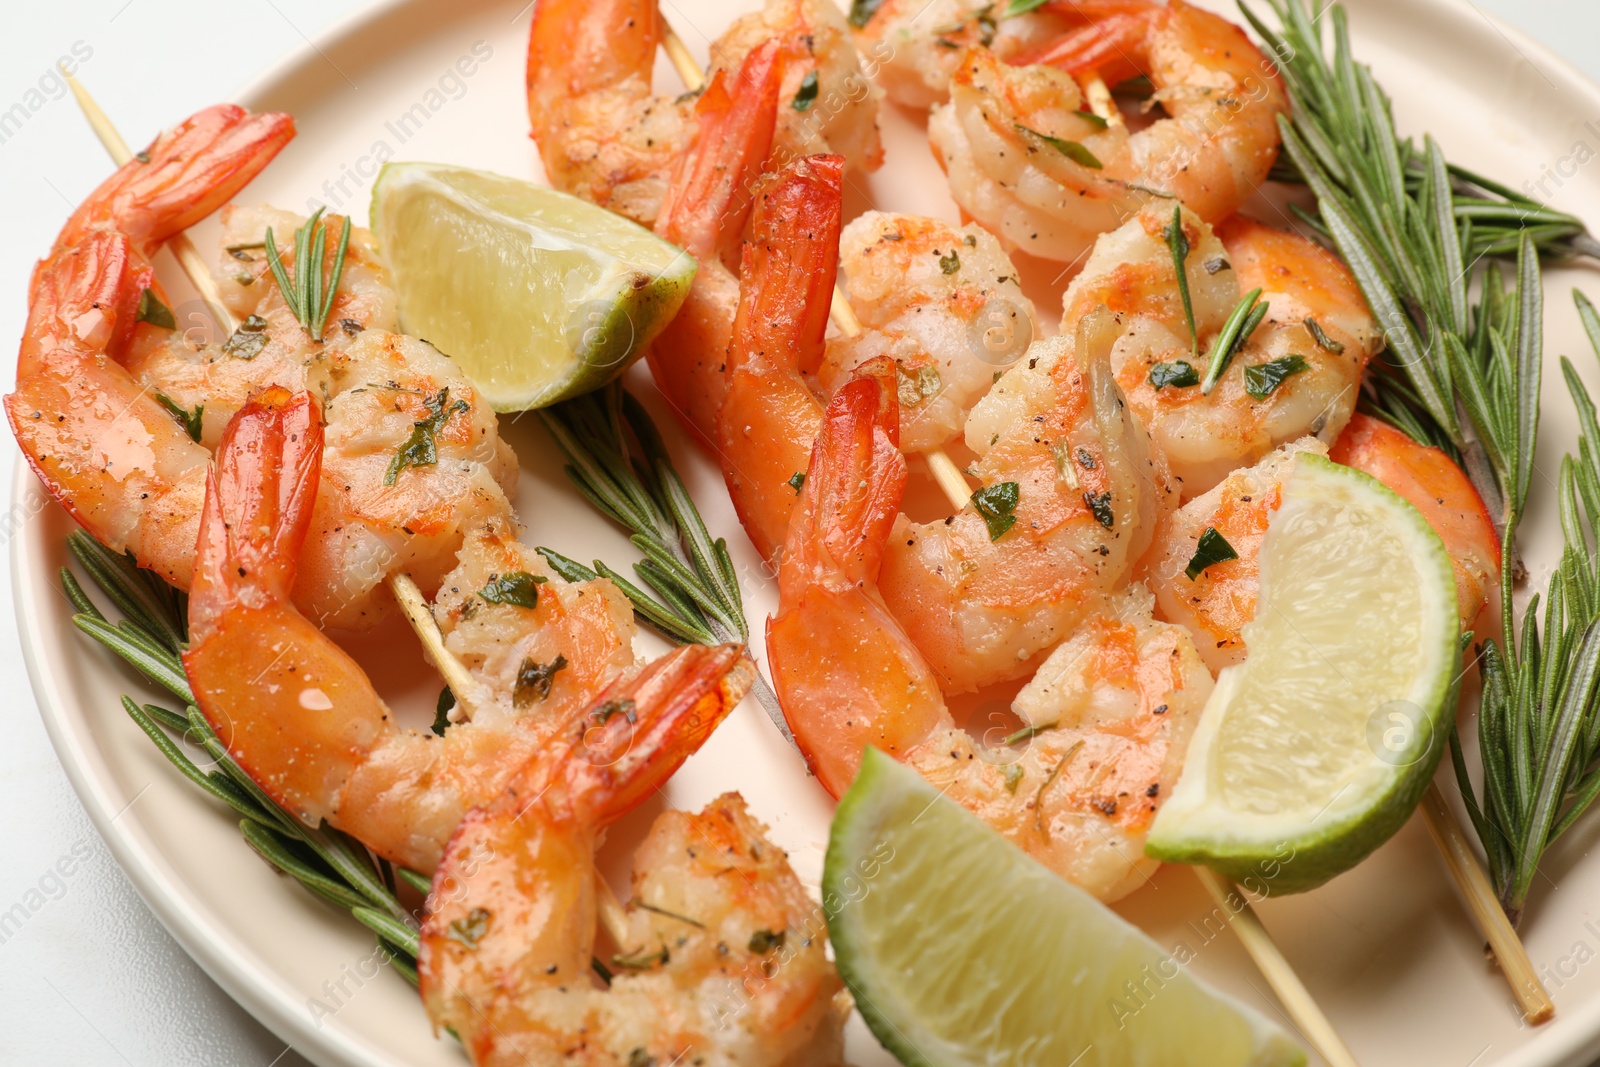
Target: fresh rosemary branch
pixel 616 459
pixel 1463 373
pixel 307 296
pixel 151 635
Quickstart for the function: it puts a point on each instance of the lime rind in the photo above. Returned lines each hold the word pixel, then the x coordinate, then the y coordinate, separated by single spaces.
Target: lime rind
pixel 962 950
pixel 537 295
pixel 1296 849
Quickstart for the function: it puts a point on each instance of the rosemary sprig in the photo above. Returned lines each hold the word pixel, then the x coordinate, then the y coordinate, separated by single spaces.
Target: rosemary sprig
pixel 1236 331
pixel 151 636
pixel 1463 373
pixel 617 460
pixel 308 298
pixel 1178 245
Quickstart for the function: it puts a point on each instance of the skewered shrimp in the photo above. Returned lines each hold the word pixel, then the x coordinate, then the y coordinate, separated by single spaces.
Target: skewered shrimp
pixel 1071 490
pixel 944 303
pixel 104 446
pixel 1029 162
pixel 1109 712
pixel 725 961
pixel 376 514
pixel 268 680
pixel 604 136
pixel 1317 323
pixel 1216 604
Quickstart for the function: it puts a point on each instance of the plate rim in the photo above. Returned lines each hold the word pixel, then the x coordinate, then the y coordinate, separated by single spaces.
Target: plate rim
pixel 211 943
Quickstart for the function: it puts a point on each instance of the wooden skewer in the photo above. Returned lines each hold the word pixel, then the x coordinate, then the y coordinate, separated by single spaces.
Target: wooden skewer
pixel 1100 101
pixel 469 694
pixel 944 470
pixel 1473 881
pixel 1291 992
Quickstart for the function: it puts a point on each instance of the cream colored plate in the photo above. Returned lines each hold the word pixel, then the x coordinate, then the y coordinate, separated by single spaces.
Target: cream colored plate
pixel 1386 949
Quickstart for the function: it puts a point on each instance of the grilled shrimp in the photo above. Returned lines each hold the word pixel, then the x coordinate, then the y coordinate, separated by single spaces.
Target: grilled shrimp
pixel 725 957
pixel 269 681
pixel 944 303
pixel 605 136
pixel 1108 713
pixel 1216 604
pixel 100 441
pixel 1027 160
pixel 1069 498
pixel 1317 332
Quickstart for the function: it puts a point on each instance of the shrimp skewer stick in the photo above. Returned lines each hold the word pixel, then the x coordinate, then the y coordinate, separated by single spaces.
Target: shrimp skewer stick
pixel 944 470
pixel 412 603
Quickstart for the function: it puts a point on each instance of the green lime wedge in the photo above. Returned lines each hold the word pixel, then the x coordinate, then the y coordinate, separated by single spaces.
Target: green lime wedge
pixel 1314 751
pixel 962 950
pixel 537 295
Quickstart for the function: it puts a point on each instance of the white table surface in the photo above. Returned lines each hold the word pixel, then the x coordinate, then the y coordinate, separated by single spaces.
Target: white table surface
pixel 92 978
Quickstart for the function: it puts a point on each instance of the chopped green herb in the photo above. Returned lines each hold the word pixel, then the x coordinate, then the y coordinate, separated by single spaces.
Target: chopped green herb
pixel 1071 149
pixel 1179 373
pixel 1013 773
pixel 764 941
pixel 1324 342
pixel 807 94
pixel 1178 245
pixel 248 340
pixel 191 420
pixel 639 1056
pixel 1100 505
pixel 642 961
pixel 153 311
pixel 1091 118
pixel 534 680
pixel 951 263
pixel 796 481
pixel 998 505
pixel 669 914
pixel 1261 380
pixel 242 252
pixel 470 931
pixel 1027 733
pixel 420 449
pixel 1235 334
pixel 861 11
pixel 1216 265
pixel 518 588
pixel 142 157
pixel 623 706
pixel 441 711
pixel 1021 7
pixel 1086 459
pixel 1212 548
pixel 913 389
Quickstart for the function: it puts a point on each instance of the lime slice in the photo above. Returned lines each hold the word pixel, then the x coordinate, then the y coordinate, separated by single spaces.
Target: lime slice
pixel 961 949
pixel 537 295
pixel 1312 752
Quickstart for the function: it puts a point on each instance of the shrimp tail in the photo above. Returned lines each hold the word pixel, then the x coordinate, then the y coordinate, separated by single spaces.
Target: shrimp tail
pixel 708 198
pixel 187 173
pixel 576 47
pixel 259 499
pixel 770 417
pixel 1107 48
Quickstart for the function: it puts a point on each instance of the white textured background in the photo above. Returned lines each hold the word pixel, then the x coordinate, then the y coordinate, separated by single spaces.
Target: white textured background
pixel 92 978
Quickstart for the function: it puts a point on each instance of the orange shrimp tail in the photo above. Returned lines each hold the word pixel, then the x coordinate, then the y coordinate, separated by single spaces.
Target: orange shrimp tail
pixel 638 732
pixel 259 499
pixel 578 46
pixel 852 492
pixel 708 198
pixel 87 297
pixel 187 173
pixel 846 674
pixel 1111 44
pixel 770 417
pixel 1438 488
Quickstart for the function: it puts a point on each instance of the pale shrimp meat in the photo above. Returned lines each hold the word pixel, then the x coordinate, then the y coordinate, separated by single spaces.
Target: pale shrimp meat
pixel 1297 374
pixel 1027 159
pixel 1106 718
pixel 725 957
pixel 944 303
pixel 300 716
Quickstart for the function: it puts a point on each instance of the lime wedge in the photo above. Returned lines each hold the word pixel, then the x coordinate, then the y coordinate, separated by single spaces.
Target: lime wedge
pixel 1314 750
pixel 537 295
pixel 961 949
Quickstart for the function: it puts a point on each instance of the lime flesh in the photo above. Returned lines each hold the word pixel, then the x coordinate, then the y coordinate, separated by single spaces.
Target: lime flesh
pixel 1315 750
pixel 537 295
pixel 960 949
